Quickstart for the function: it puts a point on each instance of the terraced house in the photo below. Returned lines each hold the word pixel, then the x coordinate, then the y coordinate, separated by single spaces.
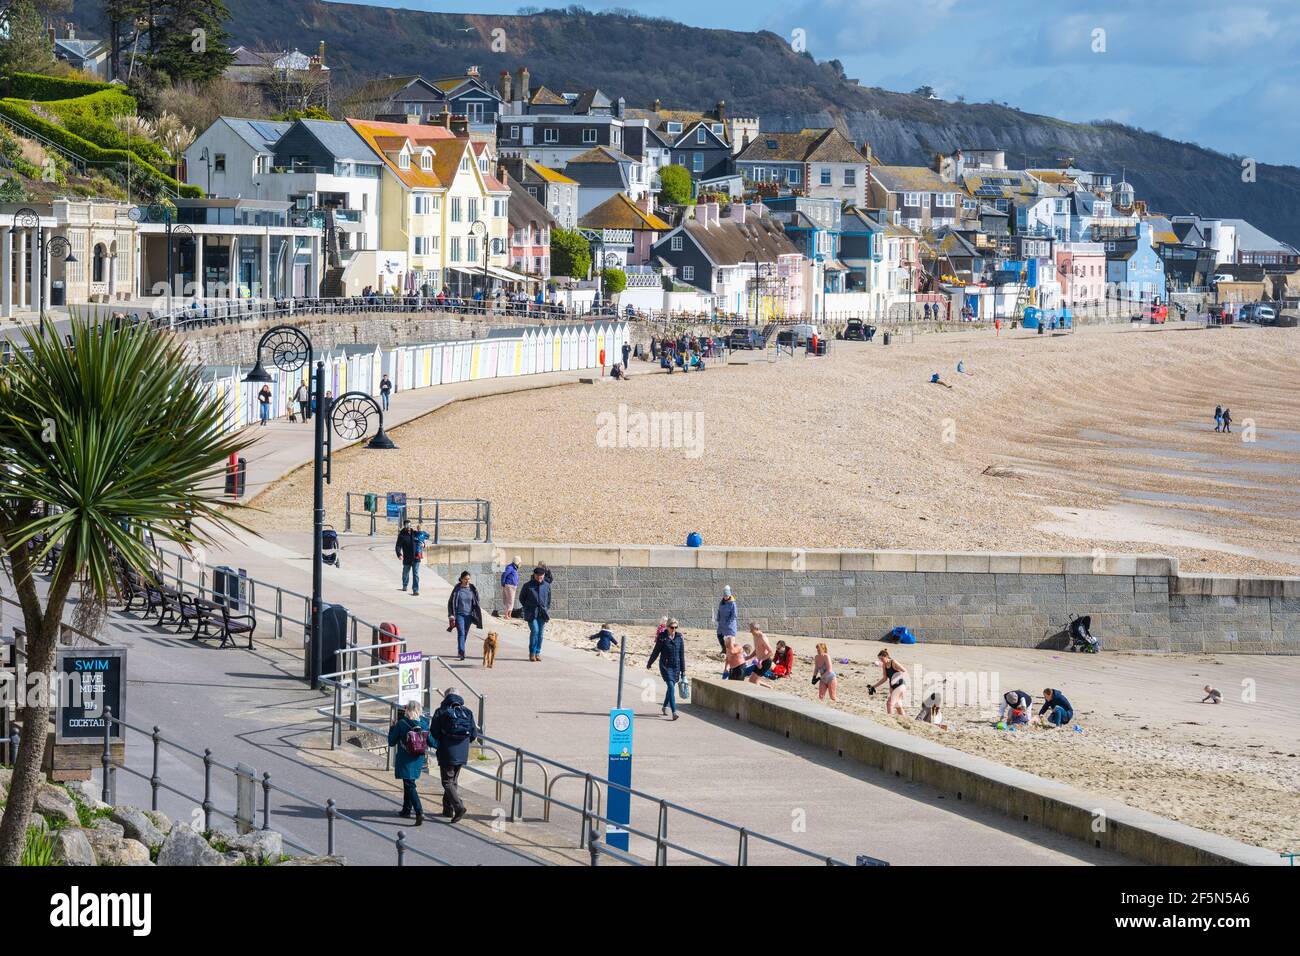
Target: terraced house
pixel 444 217
pixel 819 163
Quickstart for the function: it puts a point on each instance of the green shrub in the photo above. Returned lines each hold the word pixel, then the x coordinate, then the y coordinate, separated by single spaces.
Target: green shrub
pixel 89 150
pixel 34 86
pixel 614 281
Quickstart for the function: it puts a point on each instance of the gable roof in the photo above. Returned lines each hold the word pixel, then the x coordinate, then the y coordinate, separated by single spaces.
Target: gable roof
pixel 905 179
pixel 548 174
pixel 807 145
pixel 1009 184
pixel 387 87
pixel 262 135
pixel 523 208
pixel 544 97
pixel 590 99
pixel 727 242
pixel 620 212
pixel 1251 239
pixel 383 138
pixel 602 154
pixel 340 139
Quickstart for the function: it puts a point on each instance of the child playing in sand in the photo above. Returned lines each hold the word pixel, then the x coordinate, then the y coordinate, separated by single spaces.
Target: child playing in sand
pixel 1212 696
pixel 895 677
pixel 932 710
pixel 936 380
pixel 1015 707
pixel 823 676
pixel 604 639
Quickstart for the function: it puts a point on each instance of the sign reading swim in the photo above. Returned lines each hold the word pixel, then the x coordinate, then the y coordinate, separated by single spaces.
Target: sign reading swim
pixel 654 429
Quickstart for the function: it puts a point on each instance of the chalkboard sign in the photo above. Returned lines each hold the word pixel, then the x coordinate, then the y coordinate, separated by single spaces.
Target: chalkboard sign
pixel 90 680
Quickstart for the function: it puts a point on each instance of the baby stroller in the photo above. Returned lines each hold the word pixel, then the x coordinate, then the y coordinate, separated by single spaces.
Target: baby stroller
pixel 1081 638
pixel 329 546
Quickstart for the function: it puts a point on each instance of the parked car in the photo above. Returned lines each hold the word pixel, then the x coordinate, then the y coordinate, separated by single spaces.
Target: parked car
pixel 745 338
pixel 1258 312
pixel 857 330
pixel 803 332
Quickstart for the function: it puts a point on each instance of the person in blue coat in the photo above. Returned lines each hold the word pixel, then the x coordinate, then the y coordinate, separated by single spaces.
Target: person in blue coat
pixel 1056 708
pixel 670 651
pixel 535 599
pixel 455 729
pixel 408 766
pixel 726 618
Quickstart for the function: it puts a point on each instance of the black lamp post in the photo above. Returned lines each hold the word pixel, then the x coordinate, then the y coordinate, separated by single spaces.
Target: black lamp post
pixel 479 228
pixel 349 416
pixel 757 282
pixel 27 218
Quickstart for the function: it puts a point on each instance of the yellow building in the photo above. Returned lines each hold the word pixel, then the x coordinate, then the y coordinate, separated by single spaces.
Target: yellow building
pixel 438 204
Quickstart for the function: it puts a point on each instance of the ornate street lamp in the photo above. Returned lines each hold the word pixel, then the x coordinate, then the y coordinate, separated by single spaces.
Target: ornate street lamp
pixel 27 218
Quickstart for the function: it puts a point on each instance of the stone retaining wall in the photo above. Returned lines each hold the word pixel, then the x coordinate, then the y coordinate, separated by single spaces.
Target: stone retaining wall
pixel 1137 602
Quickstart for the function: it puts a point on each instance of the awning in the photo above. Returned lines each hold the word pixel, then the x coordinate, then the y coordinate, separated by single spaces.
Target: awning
pixel 834 265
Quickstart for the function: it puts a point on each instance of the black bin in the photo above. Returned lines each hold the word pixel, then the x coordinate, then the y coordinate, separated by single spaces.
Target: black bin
pixel 333 638
pixel 886 338
pixel 235 476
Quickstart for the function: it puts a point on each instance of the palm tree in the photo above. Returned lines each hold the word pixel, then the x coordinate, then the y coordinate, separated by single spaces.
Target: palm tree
pixel 105 447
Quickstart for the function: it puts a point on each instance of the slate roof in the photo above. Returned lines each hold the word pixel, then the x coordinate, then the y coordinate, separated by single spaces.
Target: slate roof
pixel 523 208
pixel 727 242
pixel 383 89
pixel 911 179
pixel 262 135
pixel 1255 240
pixel 340 139
pixel 1008 184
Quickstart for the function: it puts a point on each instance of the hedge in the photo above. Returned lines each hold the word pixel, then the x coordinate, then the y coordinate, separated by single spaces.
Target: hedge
pixel 90 151
pixel 34 86
pixel 91 118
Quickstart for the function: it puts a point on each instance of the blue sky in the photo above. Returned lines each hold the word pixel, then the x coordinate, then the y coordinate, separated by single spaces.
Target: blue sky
pixel 1206 71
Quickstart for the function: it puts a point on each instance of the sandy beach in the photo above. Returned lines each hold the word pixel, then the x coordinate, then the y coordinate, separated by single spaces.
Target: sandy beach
pixel 1099 439
pixel 1144 736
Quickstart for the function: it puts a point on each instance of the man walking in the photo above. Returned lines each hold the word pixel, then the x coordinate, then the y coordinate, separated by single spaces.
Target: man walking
pixel 535 599
pixel 627 354
pixel 509 585
pixel 302 395
pixel 408 548
pixel 453 727
pixel 726 618
pixel 385 389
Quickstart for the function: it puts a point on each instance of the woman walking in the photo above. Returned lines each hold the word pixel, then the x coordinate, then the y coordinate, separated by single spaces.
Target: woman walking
pixel 408 738
pixel 463 610
pixel 895 676
pixel 670 651
pixel 264 404
pixel 824 675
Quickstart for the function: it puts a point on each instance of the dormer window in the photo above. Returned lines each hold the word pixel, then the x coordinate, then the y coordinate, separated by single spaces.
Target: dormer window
pixel 464 163
pixel 404 159
pixel 701 135
pixel 674 127
pixel 426 160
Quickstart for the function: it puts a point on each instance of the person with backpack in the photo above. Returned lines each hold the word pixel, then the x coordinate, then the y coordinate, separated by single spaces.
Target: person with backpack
pixel 385 389
pixel 453 727
pixel 409 549
pixel 670 651
pixel 1218 418
pixel 535 599
pixel 408 738
pixel 509 585
pixel 463 610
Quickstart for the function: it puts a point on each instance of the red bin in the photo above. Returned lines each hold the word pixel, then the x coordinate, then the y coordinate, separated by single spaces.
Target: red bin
pixel 388 636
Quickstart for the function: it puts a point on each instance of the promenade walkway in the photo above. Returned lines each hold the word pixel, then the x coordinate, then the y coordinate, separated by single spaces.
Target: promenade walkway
pixel 560 707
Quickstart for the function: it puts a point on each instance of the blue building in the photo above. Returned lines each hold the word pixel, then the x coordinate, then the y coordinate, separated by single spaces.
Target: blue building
pixel 1135 271
pixel 814 227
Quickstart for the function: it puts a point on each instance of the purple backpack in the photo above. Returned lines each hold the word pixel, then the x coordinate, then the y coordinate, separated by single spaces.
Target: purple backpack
pixel 417 741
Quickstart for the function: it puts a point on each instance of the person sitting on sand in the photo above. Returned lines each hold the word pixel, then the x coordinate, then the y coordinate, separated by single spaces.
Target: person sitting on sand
pixel 753 668
pixel 895 676
pixel 762 653
pixel 782 661
pixel 1014 708
pixel 932 710
pixel 823 674
pixel 936 380
pixel 1056 709
pixel 604 639
pixel 1212 696
pixel 735 659
pixel 961 368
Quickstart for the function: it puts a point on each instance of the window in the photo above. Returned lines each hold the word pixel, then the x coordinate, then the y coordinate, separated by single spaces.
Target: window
pixel 946 200
pixel 676 244
pixel 717 129
pixel 514 132
pixel 471 249
pixel 701 135
pixel 455 248
pixel 760 174
pixel 550 134
pixel 455 209
pixel 826 175
pixel 589 136
pixel 476 112
pixel 219 163
pixel 263 164
pixel 426 160
pixel 421 245
pixel 473 208
pixel 404 160
pixel 911 199
pixel 674 127
pixel 498 208
pixel 697 162
pixel 688 273
pixel 850 177
pixel 925 200
pixel 793 176
pixel 464 163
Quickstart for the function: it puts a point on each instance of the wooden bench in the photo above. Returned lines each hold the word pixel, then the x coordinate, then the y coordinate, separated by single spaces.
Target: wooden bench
pixel 230 625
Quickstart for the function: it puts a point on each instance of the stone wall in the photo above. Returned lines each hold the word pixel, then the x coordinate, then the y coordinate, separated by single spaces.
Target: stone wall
pixel 1137 602
pixel 237 344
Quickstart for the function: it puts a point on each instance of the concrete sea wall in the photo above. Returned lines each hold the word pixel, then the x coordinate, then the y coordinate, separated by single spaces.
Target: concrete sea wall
pixel 1137 602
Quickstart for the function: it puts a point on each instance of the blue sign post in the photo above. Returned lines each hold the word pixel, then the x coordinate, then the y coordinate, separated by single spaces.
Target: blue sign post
pixel 619 802
pixel 395 505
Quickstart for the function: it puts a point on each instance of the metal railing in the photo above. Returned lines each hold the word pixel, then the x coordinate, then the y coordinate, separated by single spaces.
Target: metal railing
pixel 592 817
pixel 328 811
pixel 441 513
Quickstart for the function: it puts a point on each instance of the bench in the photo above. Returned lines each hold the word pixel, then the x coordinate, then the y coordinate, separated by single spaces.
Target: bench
pixel 233 624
